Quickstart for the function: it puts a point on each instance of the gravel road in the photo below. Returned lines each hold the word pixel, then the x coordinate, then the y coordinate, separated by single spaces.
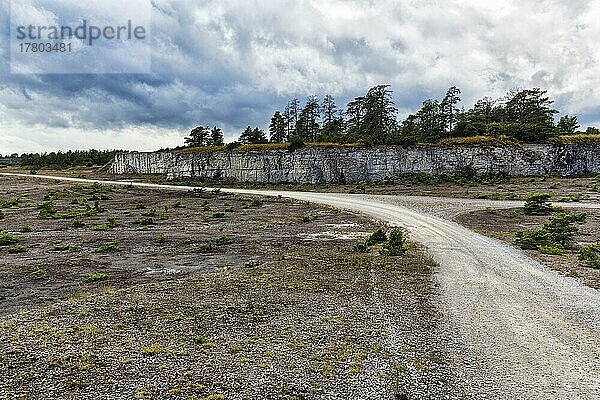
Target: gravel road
pixel 516 328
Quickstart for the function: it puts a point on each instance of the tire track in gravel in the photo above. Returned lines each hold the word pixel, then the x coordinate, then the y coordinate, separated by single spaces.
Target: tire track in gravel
pixel 516 328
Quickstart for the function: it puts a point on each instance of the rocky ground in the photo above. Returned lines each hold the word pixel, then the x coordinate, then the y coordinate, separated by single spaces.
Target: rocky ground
pixel 505 223
pixel 208 296
pixel 571 189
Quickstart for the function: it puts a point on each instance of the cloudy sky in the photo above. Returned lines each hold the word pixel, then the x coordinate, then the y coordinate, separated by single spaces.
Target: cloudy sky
pixel 232 62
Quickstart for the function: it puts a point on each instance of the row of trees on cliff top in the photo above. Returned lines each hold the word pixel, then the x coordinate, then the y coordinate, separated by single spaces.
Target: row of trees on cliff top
pixel 524 115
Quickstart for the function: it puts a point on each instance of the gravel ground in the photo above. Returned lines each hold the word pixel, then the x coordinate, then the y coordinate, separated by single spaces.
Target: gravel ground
pixel 287 310
pixel 514 328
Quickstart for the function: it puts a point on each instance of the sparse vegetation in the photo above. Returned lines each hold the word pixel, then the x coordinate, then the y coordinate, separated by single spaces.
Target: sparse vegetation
pixel 6 239
pixel 200 339
pixel 95 277
pixel 26 229
pixel 556 232
pixel 77 223
pixel 39 274
pixel 538 204
pixel 17 249
pixel 112 247
pixel 590 255
pixel 395 245
pixel 67 247
pixel 392 244
pixel 377 237
pixel 162 239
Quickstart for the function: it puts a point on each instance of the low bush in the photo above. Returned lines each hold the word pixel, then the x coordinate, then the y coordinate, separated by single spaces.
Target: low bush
pixel 67 247
pixel 12 203
pixel 361 248
pixel 590 255
pixel 392 244
pixel 143 221
pixel 557 231
pixel 379 236
pixel 77 223
pixel 223 241
pixel 17 249
pixel 553 249
pixel 256 202
pixel 6 239
pixel 111 247
pixel 26 229
pixel 38 274
pixel 200 339
pixel 95 277
pixel 395 244
pixel 538 204
pixel 162 239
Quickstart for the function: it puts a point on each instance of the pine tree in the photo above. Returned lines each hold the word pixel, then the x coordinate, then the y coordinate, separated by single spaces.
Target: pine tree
pixel 308 127
pixel 449 111
pixel 277 128
pixel 380 115
pixel 567 125
pixel 253 136
pixel 198 137
pixel 328 109
pixel 355 114
pixel 216 137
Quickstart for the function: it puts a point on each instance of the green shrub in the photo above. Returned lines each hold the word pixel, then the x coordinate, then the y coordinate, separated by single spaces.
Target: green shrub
pixel 223 240
pixel 200 339
pixel 150 214
pixel 559 230
pixel 395 244
pixel 553 250
pixel 6 239
pixel 38 274
pixel 379 236
pixel 361 248
pixel 143 221
pixel 533 239
pixel 67 247
pixel 99 228
pixel 111 247
pixel 590 255
pixel 562 226
pixel 26 229
pixel 256 203
pixel 162 239
pixel 95 277
pixel 17 249
pixel 77 223
pixel 305 219
pixel 47 209
pixel 13 203
pixel 218 215
pixel 538 204
pixel 2 214
pixel 202 249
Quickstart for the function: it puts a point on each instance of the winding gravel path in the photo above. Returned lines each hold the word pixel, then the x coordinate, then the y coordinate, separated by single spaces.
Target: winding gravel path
pixel 516 328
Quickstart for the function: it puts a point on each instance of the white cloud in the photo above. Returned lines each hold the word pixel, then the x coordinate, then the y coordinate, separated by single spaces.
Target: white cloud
pixel 231 62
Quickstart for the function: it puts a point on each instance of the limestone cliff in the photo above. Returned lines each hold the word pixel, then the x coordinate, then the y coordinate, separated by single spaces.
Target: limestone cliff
pixel 337 164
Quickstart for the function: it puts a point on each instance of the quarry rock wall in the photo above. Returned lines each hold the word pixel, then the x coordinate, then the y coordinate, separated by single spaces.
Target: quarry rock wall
pixel 347 164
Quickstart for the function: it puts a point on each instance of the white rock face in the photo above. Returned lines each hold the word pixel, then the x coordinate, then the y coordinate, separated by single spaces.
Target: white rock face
pixel 334 165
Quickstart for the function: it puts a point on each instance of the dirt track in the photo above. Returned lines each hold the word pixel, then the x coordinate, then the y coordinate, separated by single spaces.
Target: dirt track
pixel 523 331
